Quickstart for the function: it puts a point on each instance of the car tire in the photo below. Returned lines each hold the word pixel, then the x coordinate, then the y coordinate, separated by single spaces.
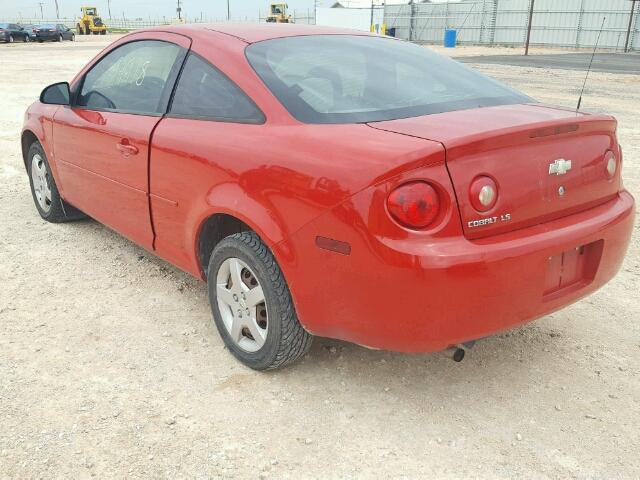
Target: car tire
pixel 45 193
pixel 26 38
pixel 10 38
pixel 281 339
pixel 73 38
pixel 60 38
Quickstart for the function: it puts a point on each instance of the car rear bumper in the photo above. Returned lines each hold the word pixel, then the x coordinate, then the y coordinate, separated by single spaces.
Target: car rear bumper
pixel 47 36
pixel 422 296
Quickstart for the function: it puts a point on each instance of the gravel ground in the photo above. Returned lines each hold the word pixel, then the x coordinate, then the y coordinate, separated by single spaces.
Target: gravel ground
pixel 110 365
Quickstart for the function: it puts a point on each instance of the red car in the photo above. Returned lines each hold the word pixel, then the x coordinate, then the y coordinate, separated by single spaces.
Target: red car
pixel 335 183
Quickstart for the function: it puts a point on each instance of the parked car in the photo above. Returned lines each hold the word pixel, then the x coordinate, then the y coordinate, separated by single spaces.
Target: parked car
pixel 12 32
pixel 335 183
pixel 31 30
pixel 55 32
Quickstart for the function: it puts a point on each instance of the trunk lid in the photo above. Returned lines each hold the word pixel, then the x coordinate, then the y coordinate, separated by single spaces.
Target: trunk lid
pixel 517 145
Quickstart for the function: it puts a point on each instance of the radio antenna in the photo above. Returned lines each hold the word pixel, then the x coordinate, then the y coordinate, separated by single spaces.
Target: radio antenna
pixel 590 62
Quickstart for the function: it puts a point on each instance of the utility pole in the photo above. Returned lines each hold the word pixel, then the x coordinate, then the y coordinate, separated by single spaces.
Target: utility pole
pixel 179 11
pixel 41 12
pixel 109 8
pixel 526 46
pixel 57 10
pixel 228 12
pixel 626 42
pixel 371 21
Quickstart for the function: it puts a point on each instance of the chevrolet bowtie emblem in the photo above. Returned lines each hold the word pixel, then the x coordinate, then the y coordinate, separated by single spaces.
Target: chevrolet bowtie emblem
pixel 559 167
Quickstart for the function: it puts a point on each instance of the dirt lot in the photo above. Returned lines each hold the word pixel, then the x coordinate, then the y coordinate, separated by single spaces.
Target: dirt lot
pixel 110 365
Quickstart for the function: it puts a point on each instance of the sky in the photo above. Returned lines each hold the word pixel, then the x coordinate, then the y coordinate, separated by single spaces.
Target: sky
pixel 212 10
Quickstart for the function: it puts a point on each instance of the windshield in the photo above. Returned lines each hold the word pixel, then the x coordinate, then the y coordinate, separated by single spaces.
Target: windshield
pixel 355 79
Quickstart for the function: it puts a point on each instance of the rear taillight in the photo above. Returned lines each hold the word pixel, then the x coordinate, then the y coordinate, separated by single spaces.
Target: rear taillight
pixel 611 163
pixel 483 193
pixel 414 205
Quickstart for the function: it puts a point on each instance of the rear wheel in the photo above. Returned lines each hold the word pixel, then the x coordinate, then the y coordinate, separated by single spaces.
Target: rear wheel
pixel 48 202
pixel 60 38
pixel 252 306
pixel 26 38
pixel 10 38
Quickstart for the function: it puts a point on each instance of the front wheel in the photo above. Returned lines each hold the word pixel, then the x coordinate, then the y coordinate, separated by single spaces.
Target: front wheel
pixel 45 194
pixel 10 38
pixel 26 38
pixel 60 38
pixel 252 306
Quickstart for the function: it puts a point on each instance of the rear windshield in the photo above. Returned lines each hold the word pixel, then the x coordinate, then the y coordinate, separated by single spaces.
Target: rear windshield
pixel 355 79
pixel 47 26
pixel 4 25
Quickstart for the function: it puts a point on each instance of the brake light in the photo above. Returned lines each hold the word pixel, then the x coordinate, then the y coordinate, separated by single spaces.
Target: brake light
pixel 414 205
pixel 611 163
pixel 483 193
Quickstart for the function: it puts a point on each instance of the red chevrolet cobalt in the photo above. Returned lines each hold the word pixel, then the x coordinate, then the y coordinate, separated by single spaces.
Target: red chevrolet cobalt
pixel 334 183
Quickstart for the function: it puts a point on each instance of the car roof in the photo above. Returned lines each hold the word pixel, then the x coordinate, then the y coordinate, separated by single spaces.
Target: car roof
pixel 256 32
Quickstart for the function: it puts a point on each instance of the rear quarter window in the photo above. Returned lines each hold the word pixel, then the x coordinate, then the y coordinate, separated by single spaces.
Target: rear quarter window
pixel 203 92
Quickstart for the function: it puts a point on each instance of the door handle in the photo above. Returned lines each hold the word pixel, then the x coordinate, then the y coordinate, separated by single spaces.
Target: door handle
pixel 126 149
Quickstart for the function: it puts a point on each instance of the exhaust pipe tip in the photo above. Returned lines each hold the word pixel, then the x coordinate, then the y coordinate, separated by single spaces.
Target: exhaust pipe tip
pixel 458 351
pixel 458 354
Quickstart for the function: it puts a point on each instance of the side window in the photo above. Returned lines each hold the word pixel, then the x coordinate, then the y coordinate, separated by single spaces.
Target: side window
pixel 205 92
pixel 131 78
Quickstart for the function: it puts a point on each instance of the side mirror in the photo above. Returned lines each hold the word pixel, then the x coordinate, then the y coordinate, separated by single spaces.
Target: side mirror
pixel 56 94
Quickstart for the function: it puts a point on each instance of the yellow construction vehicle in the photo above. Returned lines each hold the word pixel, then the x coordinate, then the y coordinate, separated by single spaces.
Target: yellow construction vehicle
pixel 90 23
pixel 278 13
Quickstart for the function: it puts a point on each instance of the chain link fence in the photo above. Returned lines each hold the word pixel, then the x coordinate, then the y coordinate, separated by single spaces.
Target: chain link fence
pixel 567 23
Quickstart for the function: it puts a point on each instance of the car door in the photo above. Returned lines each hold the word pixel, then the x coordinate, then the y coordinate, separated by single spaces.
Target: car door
pixel 16 32
pixel 101 141
pixel 195 148
pixel 64 31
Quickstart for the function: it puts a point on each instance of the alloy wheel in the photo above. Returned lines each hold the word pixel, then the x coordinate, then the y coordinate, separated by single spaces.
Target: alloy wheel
pixel 41 183
pixel 242 305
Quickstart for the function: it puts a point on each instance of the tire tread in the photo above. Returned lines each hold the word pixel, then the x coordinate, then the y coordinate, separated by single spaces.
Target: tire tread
pixel 295 341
